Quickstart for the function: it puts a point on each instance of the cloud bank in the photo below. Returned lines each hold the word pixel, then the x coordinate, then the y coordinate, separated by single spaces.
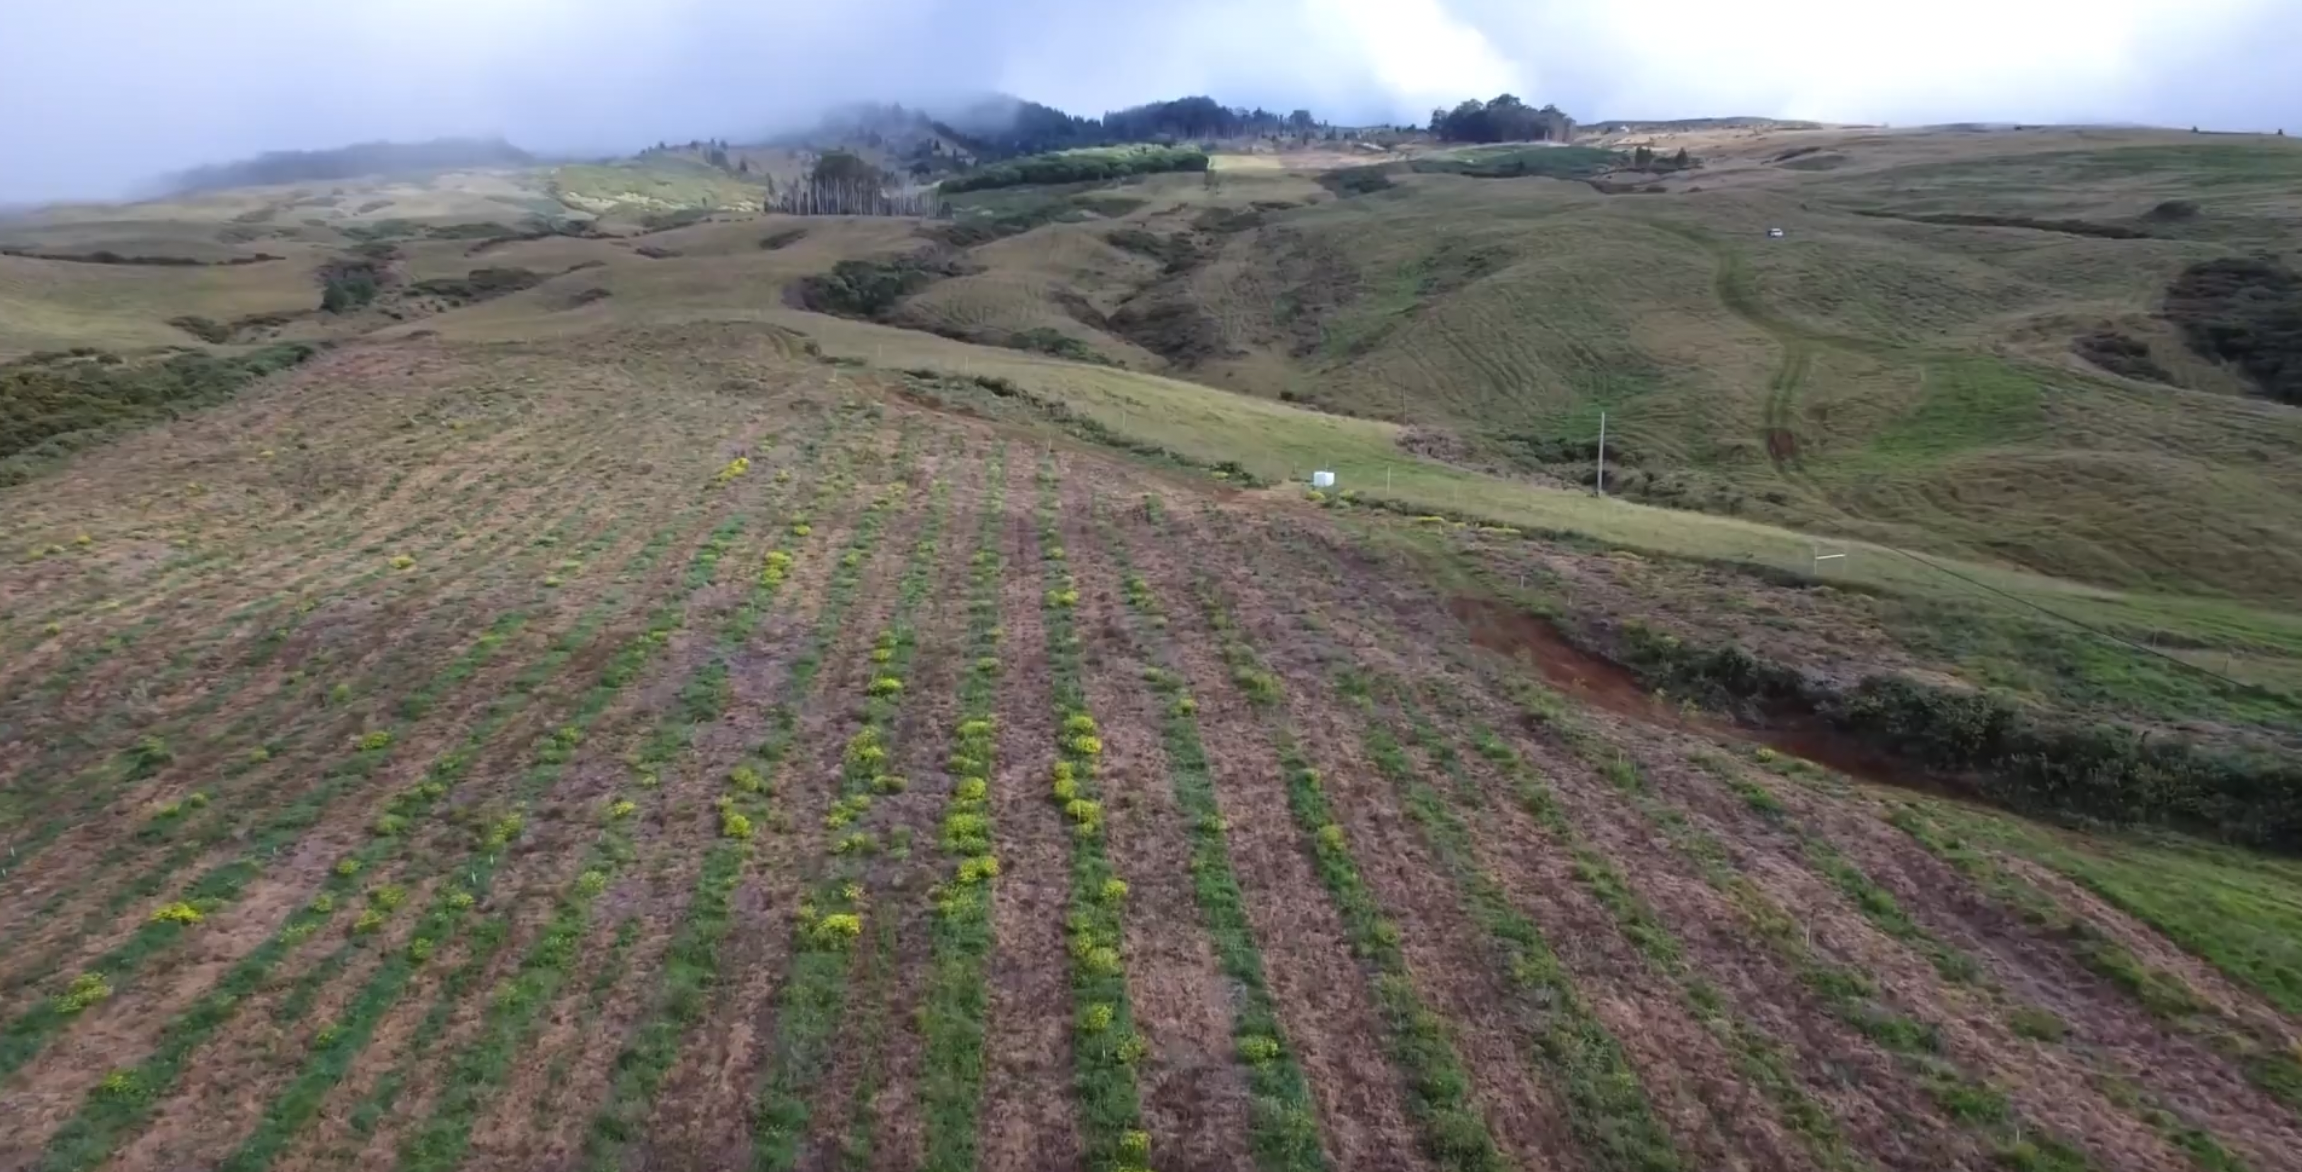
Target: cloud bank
pixel 97 94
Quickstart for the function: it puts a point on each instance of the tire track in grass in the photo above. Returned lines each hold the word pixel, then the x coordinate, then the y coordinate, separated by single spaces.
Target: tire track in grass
pixel 112 1111
pixel 1025 1124
pixel 1281 1131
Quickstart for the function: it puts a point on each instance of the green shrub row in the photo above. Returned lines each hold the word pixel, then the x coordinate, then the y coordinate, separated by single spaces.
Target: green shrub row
pixel 1283 1125
pixel 1081 166
pixel 2005 753
pixel 957 1002
pixel 516 1004
pixel 56 404
pixel 1105 1045
pixel 1762 1061
pixel 1606 1105
pixel 1447 1119
pixel 1850 995
pixel 115 1109
pixel 691 968
pixel 830 921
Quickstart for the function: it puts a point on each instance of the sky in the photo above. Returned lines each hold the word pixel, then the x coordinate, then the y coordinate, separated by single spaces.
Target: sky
pixel 97 96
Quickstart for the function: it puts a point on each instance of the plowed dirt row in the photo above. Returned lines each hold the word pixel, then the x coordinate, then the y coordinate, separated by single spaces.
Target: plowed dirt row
pixel 1320 989
pixel 1194 1093
pixel 1027 1124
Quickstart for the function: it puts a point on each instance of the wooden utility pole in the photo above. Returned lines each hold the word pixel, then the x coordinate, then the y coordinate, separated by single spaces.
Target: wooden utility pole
pixel 1602 453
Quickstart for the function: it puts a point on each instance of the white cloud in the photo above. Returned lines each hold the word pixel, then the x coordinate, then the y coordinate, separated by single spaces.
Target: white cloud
pixel 1418 51
pixel 96 93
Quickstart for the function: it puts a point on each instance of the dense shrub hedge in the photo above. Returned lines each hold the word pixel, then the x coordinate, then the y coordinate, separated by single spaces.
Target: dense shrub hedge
pixel 1078 167
pixel 2004 753
pixel 871 288
pixel 54 404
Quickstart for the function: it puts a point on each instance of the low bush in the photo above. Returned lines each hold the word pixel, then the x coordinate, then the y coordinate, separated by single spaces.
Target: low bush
pixel 2246 311
pixel 2120 354
pixel 52 405
pixel 479 284
pixel 1087 166
pixel 871 289
pixel 346 285
pixel 2006 754
pixel 205 329
pixel 1350 181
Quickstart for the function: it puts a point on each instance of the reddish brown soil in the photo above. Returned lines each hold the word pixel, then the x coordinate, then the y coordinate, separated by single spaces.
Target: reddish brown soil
pixel 48 1090
pixel 701 1116
pixel 1446 953
pixel 1194 1094
pixel 205 1120
pixel 1320 991
pixel 1027 1121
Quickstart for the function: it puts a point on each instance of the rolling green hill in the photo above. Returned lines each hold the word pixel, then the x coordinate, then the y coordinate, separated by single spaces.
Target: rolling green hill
pixel 556 667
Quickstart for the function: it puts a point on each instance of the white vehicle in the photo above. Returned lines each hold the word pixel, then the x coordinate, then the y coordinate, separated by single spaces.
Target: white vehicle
pixel 1774 233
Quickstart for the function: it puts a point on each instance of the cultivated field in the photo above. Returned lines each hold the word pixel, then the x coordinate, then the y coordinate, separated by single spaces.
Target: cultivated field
pixel 625 719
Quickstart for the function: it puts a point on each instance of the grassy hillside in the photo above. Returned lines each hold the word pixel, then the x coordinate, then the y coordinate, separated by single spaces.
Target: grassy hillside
pixel 597 711
pixel 645 743
pixel 1870 374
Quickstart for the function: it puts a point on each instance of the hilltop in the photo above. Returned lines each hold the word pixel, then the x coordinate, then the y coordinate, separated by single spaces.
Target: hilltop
pixel 514 663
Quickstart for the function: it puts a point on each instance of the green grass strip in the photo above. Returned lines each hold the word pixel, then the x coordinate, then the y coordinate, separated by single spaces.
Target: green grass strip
pixel 1105 1044
pixel 1606 1107
pixel 1453 1133
pixel 123 767
pixel 197 828
pixel 957 1000
pixel 441 1142
pixel 26 1034
pixel 1283 1125
pixel 123 1101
